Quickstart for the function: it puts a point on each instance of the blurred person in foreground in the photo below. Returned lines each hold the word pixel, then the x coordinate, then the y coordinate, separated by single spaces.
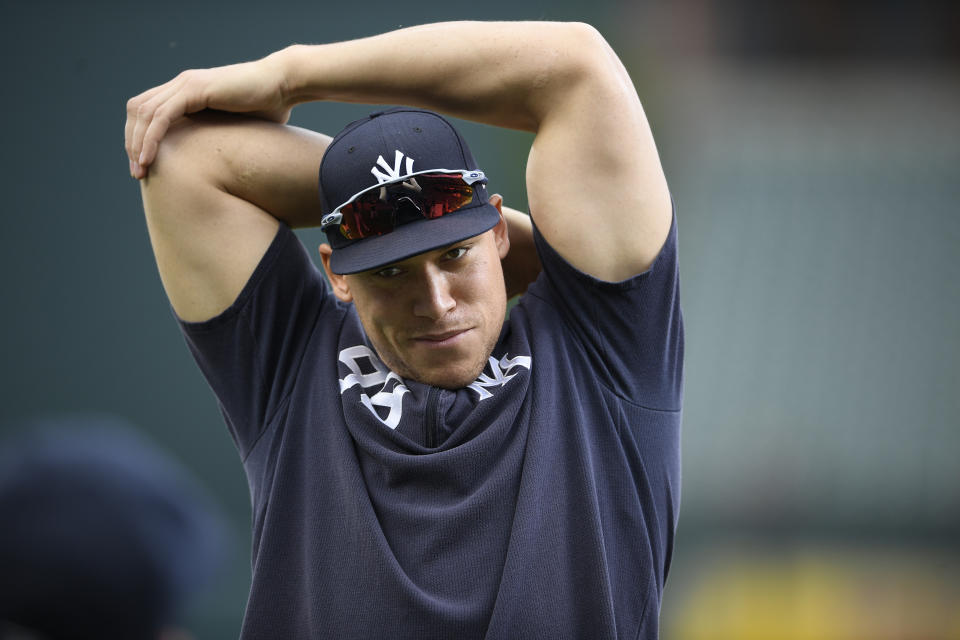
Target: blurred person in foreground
pixel 102 535
pixel 419 466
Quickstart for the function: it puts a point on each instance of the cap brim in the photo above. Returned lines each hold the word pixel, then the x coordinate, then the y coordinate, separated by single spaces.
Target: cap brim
pixel 413 238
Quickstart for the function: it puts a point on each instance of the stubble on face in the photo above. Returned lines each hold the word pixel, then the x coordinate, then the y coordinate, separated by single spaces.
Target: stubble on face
pixel 450 349
pixel 450 372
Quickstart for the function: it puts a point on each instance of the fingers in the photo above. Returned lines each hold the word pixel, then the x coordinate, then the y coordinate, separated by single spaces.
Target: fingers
pixel 153 119
pixel 251 87
pixel 149 116
pixel 132 141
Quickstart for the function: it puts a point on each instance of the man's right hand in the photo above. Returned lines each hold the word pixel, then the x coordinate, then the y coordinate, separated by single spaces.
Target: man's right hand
pixel 255 88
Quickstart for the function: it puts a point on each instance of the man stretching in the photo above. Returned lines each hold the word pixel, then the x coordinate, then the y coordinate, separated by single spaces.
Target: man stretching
pixel 419 466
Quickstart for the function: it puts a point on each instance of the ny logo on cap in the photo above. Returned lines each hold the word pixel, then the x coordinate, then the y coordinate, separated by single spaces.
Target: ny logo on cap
pixel 392 173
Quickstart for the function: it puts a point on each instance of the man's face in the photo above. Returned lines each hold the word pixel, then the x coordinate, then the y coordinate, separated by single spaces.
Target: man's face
pixel 435 317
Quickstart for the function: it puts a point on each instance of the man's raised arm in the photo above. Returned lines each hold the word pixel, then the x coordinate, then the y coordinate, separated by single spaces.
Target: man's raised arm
pixel 213 198
pixel 594 181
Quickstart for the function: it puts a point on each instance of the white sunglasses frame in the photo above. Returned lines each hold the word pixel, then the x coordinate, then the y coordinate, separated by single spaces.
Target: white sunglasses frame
pixel 470 176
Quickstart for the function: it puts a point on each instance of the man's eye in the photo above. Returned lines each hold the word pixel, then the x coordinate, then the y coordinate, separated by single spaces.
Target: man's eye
pixel 388 272
pixel 457 252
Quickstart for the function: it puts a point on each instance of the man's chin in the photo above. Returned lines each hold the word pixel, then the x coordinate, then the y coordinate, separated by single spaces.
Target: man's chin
pixel 447 377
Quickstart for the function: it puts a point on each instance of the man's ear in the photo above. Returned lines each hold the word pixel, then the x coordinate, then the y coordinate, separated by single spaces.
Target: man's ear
pixel 339 283
pixel 500 232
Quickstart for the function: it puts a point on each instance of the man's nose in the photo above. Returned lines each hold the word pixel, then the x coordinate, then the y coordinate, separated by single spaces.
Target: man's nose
pixel 434 298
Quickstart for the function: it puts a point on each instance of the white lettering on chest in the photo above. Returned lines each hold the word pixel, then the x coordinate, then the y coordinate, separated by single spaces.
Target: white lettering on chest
pixel 383 389
pixel 378 379
pixel 502 371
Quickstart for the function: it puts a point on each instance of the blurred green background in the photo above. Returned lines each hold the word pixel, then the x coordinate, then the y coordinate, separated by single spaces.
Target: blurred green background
pixel 813 149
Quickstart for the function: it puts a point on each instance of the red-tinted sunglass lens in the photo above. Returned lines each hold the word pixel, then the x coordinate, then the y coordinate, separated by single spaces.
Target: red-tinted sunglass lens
pixel 366 217
pixel 442 194
pixel 433 194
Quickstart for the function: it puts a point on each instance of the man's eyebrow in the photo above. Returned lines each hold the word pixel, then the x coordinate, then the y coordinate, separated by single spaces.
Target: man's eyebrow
pixel 460 243
pixel 442 249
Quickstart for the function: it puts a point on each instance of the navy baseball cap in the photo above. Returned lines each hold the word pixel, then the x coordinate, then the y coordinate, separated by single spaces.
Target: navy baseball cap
pixel 388 147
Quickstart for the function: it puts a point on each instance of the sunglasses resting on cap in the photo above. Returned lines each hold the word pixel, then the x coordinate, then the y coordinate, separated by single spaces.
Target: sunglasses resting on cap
pixel 379 210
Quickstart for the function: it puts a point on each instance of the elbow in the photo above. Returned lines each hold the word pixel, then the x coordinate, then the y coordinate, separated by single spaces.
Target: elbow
pixel 182 148
pixel 578 57
pixel 196 147
pixel 589 54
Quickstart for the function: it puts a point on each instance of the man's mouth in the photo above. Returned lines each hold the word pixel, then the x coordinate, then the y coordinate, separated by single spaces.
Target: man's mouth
pixel 441 338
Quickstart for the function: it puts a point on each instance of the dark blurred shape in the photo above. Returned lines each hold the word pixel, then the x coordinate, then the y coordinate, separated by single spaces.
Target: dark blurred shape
pixel 820 31
pixel 855 29
pixel 101 535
